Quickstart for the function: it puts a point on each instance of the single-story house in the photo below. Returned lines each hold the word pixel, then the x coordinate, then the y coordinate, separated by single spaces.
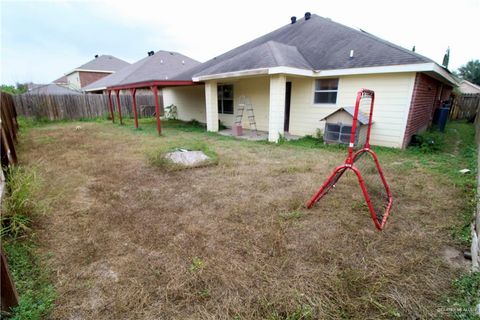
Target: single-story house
pixel 307 69
pixel 93 70
pixel 50 89
pixel 156 66
pixel 468 87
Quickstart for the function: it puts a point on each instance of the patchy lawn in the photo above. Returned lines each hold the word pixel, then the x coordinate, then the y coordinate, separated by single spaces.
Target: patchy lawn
pixel 130 240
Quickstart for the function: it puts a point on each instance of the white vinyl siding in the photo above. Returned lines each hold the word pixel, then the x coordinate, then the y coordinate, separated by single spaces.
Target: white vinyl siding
pixel 392 102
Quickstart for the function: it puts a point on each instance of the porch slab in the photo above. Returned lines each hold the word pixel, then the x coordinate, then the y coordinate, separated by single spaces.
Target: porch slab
pixel 250 135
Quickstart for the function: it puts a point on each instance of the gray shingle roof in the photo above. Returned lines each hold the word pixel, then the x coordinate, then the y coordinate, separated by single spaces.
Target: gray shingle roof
pixel 160 66
pixel 51 89
pixel 105 63
pixel 314 44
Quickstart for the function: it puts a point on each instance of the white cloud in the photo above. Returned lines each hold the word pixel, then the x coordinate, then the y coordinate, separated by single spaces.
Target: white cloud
pixel 203 29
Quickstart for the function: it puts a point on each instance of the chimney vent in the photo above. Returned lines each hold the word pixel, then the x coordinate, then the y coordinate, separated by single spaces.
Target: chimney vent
pixel 294 19
pixel 308 15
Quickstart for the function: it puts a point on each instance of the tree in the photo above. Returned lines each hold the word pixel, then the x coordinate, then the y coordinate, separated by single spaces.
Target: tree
pixel 470 71
pixel 19 88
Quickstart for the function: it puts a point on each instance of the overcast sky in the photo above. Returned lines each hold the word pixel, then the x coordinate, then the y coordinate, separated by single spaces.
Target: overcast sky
pixel 42 40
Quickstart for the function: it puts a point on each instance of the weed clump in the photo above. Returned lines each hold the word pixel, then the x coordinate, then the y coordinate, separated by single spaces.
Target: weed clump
pixel 429 142
pixel 18 206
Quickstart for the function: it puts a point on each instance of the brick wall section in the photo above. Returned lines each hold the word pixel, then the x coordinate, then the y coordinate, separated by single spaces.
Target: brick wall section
pixel 88 77
pixel 425 99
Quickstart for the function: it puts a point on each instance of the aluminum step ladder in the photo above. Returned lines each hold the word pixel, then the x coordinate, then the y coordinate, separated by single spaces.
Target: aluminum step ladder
pixel 246 104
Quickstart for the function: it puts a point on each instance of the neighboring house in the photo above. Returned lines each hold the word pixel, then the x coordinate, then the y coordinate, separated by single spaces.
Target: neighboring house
pixel 99 67
pixel 50 89
pixel 468 87
pixel 62 81
pixel 157 66
pixel 298 74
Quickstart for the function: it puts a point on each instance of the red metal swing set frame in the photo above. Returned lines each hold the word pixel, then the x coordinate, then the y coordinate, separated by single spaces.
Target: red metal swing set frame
pixel 349 164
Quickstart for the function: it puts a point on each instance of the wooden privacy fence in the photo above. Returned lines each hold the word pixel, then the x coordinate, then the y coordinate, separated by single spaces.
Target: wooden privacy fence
pixel 80 106
pixel 465 106
pixel 9 128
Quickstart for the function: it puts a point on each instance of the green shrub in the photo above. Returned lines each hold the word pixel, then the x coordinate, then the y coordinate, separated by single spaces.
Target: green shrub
pixel 429 141
pixel 319 136
pixel 18 205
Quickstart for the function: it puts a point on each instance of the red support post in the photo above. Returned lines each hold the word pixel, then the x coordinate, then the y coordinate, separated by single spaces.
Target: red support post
pixel 110 105
pixel 135 114
pixel 119 107
pixel 157 108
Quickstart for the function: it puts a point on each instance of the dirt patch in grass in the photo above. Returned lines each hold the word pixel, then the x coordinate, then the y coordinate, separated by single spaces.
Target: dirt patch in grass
pixel 232 241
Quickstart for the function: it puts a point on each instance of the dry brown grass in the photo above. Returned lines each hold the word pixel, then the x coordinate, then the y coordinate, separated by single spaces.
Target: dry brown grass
pixel 232 241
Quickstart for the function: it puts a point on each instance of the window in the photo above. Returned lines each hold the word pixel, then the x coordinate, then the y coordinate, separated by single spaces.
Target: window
pixel 339 133
pixel 326 91
pixel 225 99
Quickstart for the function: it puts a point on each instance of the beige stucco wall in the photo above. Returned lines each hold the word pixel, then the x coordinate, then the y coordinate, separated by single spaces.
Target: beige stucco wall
pixel 257 89
pixel 393 95
pixel 190 101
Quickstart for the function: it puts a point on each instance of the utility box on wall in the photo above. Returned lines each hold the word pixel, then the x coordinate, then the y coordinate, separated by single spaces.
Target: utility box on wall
pixel 338 126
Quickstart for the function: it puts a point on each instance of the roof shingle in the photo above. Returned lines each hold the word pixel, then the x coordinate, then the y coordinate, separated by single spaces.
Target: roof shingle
pixel 314 44
pixel 105 63
pixel 160 66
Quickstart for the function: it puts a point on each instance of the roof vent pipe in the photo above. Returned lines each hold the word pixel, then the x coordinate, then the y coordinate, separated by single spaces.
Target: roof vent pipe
pixel 96 56
pixel 308 15
pixel 150 53
pixel 351 53
pixel 294 19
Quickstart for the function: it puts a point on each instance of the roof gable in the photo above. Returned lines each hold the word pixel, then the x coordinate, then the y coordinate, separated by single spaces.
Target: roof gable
pixel 362 117
pixel 268 54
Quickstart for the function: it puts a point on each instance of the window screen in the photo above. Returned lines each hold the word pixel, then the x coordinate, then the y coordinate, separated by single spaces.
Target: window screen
pixel 326 91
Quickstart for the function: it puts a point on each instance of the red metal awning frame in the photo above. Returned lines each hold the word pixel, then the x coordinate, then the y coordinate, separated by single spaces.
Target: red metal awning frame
pixel 132 87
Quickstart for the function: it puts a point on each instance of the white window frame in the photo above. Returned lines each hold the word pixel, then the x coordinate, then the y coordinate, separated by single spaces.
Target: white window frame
pixel 318 91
